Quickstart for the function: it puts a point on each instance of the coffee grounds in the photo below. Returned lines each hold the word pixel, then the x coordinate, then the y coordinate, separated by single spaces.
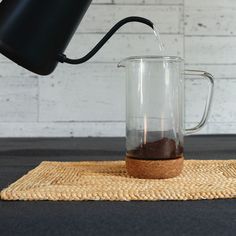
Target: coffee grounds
pixel 162 149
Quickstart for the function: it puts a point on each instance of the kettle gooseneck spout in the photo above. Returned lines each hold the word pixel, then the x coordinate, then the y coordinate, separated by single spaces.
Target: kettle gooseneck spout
pixel 63 58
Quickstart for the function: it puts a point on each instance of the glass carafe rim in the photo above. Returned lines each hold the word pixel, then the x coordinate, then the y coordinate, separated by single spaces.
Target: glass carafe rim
pixel 154 58
pixel 158 59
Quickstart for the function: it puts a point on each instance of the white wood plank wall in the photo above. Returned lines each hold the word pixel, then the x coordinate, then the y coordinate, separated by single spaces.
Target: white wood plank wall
pixel 88 100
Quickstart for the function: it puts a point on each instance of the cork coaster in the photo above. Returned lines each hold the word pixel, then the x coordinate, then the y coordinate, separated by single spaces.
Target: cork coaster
pixel 109 181
pixel 154 169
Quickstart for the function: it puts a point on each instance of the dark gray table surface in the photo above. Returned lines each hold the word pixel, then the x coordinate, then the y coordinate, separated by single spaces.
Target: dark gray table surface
pixel 18 156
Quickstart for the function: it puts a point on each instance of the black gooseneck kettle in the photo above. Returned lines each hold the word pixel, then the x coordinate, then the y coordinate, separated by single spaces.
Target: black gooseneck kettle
pixel 35 33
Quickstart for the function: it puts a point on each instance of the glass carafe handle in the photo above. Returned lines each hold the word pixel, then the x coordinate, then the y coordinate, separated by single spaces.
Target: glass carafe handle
pixel 210 79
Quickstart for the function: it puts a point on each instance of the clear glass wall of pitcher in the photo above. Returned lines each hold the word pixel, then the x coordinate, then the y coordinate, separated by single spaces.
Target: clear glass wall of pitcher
pixel 155 114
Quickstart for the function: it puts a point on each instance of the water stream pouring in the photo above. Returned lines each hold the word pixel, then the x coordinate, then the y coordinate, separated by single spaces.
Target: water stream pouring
pixel 35 33
pixel 158 37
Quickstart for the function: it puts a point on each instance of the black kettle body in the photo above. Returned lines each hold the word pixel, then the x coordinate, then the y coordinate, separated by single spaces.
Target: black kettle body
pixel 34 32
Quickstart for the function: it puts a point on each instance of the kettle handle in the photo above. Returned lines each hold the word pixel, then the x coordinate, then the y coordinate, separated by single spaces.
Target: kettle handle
pixel 207 109
pixel 63 59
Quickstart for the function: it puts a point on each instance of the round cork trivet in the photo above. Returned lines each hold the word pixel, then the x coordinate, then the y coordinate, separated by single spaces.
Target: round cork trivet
pixel 154 169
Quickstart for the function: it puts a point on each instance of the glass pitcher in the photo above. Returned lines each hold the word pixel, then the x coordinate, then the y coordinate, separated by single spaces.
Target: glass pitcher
pixel 155 115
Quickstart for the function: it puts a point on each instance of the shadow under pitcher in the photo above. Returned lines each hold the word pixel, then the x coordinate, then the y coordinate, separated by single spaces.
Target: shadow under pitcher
pixel 155 115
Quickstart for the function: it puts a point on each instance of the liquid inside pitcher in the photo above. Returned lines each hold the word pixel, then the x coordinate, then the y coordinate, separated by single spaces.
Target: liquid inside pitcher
pixel 155 107
pixel 157 147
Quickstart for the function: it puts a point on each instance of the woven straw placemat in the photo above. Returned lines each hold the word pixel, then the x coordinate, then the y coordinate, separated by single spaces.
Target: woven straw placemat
pixel 109 181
